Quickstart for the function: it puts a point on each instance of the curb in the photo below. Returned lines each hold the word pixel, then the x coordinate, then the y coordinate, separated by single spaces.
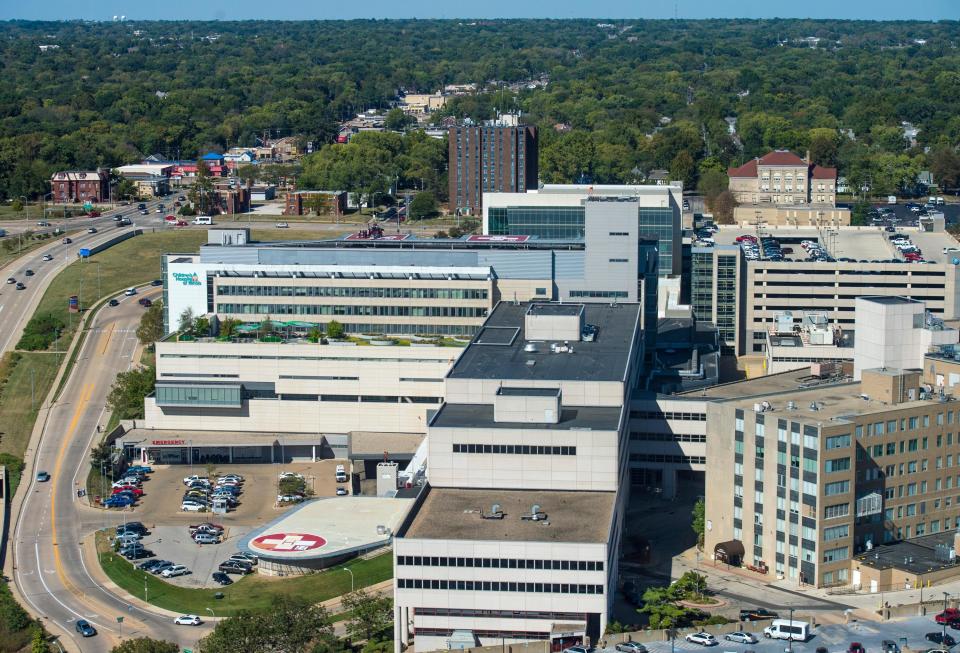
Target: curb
pixel 27 478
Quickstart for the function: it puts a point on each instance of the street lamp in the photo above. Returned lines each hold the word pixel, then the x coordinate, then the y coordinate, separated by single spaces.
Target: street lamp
pixel 212 613
pixel 945 596
pixel 790 638
pixel 351 577
pixel 145 599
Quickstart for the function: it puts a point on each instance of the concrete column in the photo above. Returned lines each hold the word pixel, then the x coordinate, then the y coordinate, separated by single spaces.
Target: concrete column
pixel 314 454
pixel 271 453
pixel 669 483
pixel 406 625
pixel 397 620
pixel 230 451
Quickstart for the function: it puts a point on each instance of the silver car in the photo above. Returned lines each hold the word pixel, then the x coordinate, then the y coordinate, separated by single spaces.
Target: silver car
pixel 740 637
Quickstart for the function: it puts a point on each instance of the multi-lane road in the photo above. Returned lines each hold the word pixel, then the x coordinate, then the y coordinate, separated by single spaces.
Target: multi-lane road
pixel 49 568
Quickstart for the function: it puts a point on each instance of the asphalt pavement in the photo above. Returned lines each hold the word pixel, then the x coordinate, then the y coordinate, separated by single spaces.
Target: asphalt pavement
pixel 49 568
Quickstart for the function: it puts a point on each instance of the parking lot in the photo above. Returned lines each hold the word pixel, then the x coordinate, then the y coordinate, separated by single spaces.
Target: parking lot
pixel 159 510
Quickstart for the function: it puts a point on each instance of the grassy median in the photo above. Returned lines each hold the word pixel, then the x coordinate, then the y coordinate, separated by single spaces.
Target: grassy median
pixel 254 592
pixel 30 376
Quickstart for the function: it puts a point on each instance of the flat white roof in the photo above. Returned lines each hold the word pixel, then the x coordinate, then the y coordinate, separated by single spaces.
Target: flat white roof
pixel 324 528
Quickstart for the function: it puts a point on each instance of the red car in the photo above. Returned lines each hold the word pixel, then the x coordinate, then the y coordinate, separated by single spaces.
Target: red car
pixel 856 647
pixel 93 214
pixel 752 239
pixel 181 223
pixel 128 488
pixel 948 616
pixel 170 218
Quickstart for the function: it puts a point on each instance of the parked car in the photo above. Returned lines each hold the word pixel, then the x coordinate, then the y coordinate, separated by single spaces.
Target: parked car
pixel 578 649
pixel 135 526
pixel 175 570
pixel 160 568
pixel 234 567
pixel 757 614
pixel 289 498
pixel 741 637
pixel 192 506
pixel 138 554
pixel 702 638
pixel 206 527
pixel 631 647
pixel 151 564
pixel 941 638
pixel 188 620
pixel 206 538
pixel 84 628
pixel 856 647
pixel 140 469
pixel 133 489
pixel 889 646
pixel 244 557
pixel 221 578
pixel 948 616
pixel 118 501
pixel 341 491
pixel 284 475
pixel 193 479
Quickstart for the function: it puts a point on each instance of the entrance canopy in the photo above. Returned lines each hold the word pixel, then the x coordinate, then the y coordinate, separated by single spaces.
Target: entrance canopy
pixel 730 552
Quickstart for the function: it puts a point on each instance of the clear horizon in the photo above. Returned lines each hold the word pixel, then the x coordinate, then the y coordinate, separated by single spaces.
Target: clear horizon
pixel 880 10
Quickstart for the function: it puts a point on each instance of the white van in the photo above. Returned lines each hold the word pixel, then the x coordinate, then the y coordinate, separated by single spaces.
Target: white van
pixel 203 219
pixel 798 631
pixel 891 199
pixel 341 474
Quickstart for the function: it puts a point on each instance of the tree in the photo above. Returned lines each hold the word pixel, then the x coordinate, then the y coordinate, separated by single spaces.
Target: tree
pixel 150 328
pixel 397 120
pixel 423 206
pixel 291 625
pixel 266 327
pixel 314 334
pixel 858 216
pixel 824 147
pixel 125 190
pixel 201 325
pixel 128 391
pixel 371 616
pixel 202 187
pixel 698 522
pixel 945 166
pixel 41 331
pixel 100 455
pixel 711 183
pixel 335 330
pixel 16 205
pixel 38 643
pixel 228 326
pixel 723 206
pixel 682 168
pixel 145 645
pixel 185 325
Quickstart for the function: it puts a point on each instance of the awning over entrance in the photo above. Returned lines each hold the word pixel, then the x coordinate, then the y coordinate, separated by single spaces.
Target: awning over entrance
pixel 730 552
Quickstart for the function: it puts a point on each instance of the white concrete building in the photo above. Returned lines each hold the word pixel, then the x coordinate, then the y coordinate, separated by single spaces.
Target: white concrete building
pixel 895 332
pixel 518 533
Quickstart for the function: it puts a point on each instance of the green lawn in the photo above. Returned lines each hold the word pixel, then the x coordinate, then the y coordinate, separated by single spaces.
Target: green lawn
pixel 255 592
pixel 22 396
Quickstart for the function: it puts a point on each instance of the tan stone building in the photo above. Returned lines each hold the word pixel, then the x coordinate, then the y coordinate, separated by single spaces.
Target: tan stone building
pixel 813 476
pixel 782 188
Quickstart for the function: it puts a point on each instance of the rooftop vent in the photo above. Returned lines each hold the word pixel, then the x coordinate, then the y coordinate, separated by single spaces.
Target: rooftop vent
pixel 791 405
pixel 814 406
pixel 536 514
pixel 495 512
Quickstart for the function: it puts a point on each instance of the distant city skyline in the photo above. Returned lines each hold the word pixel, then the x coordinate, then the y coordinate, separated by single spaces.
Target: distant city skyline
pixel 618 9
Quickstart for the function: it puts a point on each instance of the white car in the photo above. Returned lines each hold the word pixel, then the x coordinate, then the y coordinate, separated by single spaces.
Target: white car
pixel 282 225
pixel 130 291
pixel 740 637
pixel 188 620
pixel 289 498
pixel 341 491
pixel 196 477
pixel 176 570
pixel 192 506
pixel 702 638
pixel 284 475
pixel 47 257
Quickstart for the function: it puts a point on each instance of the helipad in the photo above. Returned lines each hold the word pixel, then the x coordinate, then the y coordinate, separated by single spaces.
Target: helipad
pixel 323 532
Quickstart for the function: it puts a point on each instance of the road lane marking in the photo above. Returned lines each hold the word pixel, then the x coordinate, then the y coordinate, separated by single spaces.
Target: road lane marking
pixel 103 350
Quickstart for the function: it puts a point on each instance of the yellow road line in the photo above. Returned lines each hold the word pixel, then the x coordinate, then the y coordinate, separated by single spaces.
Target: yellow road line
pixel 103 350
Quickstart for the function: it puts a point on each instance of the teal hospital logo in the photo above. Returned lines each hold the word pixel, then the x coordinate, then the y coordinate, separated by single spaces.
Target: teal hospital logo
pixel 187 278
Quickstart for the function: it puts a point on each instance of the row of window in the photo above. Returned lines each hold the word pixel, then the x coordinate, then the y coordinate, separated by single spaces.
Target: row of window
pixel 499 563
pixel 668 437
pixel 667 458
pixel 498 586
pixel 515 449
pixel 660 415
pixel 353 292
pixel 491 634
pixel 338 359
pixel 499 614
pixel 611 294
pixel 337 309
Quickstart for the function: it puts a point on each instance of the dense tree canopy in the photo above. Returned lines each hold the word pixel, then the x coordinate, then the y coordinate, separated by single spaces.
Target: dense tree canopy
pixel 626 99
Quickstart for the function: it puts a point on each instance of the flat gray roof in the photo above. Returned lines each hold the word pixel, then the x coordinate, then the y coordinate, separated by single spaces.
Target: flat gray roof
pixel 890 300
pixel 555 309
pixel 454 514
pixel 595 418
pixel 604 359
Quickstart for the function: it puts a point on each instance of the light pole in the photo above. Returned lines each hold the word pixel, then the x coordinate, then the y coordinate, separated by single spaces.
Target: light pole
pixel 945 596
pixel 145 599
pixel 351 577
pixel 790 638
pixel 212 613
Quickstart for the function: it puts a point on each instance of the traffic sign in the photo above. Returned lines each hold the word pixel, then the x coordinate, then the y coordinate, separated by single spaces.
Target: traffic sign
pixel 120 619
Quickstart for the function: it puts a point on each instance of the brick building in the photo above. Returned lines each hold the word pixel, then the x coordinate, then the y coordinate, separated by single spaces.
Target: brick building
pixel 72 186
pixel 492 158
pixel 333 202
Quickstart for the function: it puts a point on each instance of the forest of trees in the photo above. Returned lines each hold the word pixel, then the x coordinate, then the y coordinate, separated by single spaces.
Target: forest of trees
pixel 112 92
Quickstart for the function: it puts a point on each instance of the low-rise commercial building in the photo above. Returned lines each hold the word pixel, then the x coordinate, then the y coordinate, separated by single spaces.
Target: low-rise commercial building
pixel 301 202
pixel 150 179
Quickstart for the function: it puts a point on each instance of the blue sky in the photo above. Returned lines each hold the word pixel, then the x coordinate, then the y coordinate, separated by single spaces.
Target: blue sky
pixel 337 9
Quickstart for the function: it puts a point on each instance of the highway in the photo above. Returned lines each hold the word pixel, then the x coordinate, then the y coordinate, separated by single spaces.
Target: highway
pixel 50 570
pixel 18 306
